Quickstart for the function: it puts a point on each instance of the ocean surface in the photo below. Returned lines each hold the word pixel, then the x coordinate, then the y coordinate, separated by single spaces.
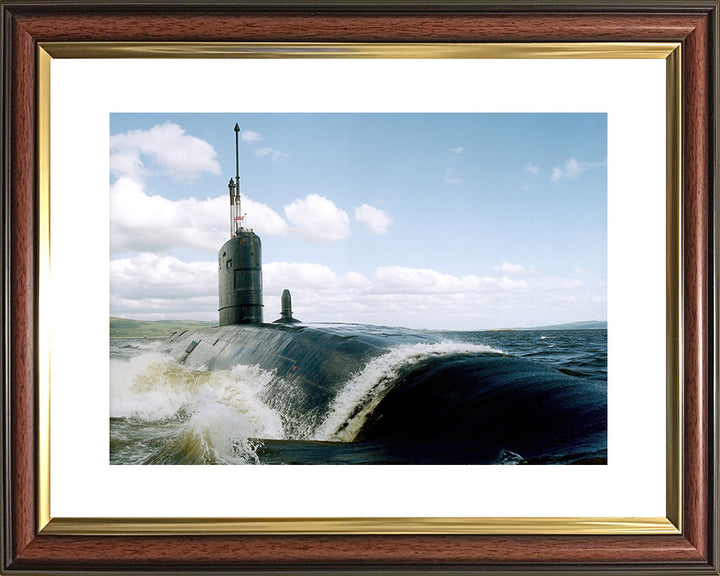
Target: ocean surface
pixel 489 397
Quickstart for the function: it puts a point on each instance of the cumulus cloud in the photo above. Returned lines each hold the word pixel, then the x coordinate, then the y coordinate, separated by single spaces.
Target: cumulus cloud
pixel 376 220
pixel 263 219
pixel 384 281
pixel 455 151
pixel 181 156
pixel 517 269
pixel 152 286
pixel 139 222
pixel 142 223
pixel 165 308
pixel 389 295
pixel 318 219
pixel 572 169
pixel 280 275
pixel 311 276
pixel 422 280
pixel 150 276
pixel 532 168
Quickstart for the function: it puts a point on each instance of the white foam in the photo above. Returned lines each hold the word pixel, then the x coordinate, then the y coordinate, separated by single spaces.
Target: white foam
pixel 149 387
pixel 364 391
pixel 224 405
pixel 228 434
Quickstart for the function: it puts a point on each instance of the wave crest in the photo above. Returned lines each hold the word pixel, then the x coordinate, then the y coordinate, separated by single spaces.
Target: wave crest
pixel 366 389
pixel 220 410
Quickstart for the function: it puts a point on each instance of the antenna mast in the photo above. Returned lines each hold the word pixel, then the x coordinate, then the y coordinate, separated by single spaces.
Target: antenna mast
pixel 237 217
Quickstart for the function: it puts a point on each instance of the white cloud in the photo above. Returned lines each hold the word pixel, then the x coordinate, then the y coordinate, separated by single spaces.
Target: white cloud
pixel 318 219
pixel 455 151
pixel 151 277
pixel 414 280
pixel 422 280
pixel 250 136
pixel 165 309
pixel 274 155
pixel 263 219
pixel 518 269
pixel 139 222
pixel 312 277
pixel 376 220
pixel 572 169
pixel 355 281
pixel 532 168
pixel 127 162
pixel 151 286
pixel 383 282
pixel 298 275
pixel 391 295
pixel 143 223
pixel 181 156
pixel 318 292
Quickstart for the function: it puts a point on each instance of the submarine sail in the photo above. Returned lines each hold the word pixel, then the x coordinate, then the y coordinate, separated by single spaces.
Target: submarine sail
pixel 240 284
pixel 240 280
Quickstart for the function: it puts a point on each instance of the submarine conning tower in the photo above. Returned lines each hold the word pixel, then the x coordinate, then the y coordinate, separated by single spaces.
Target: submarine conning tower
pixel 240 279
pixel 240 285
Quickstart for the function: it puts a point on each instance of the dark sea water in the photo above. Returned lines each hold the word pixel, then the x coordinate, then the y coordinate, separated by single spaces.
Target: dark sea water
pixel 491 397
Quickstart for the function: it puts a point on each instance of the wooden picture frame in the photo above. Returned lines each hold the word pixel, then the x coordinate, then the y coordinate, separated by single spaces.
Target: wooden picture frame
pixel 30 545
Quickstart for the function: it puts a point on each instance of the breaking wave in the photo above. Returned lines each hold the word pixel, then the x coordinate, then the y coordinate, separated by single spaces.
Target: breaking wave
pixel 219 412
pixel 364 391
pixel 423 402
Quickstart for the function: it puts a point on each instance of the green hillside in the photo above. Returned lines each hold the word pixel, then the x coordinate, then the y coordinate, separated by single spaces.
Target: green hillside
pixel 124 328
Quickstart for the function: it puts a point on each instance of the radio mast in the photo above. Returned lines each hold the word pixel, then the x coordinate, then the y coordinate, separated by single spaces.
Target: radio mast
pixel 236 216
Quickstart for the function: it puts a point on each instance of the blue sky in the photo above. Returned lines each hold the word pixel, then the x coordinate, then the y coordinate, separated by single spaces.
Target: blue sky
pixel 454 221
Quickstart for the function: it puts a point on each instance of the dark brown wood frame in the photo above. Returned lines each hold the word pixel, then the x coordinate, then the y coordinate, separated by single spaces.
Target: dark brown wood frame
pixel 26 23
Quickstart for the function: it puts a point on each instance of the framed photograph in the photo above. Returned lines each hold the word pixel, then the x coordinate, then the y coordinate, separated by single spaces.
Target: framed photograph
pixel 358 286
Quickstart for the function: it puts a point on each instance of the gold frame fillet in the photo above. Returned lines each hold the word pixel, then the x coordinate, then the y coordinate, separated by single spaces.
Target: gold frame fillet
pixel 671 524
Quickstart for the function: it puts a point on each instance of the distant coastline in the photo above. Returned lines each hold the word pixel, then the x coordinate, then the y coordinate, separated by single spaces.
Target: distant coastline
pixel 585 325
pixel 126 328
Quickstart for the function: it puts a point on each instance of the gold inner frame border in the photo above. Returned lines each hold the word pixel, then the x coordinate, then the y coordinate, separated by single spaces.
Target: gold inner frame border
pixel 670 524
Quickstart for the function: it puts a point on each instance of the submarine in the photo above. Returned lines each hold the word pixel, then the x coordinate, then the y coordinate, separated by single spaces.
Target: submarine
pixel 375 394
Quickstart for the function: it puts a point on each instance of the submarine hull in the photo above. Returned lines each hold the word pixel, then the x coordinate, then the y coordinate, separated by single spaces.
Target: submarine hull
pixel 425 400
